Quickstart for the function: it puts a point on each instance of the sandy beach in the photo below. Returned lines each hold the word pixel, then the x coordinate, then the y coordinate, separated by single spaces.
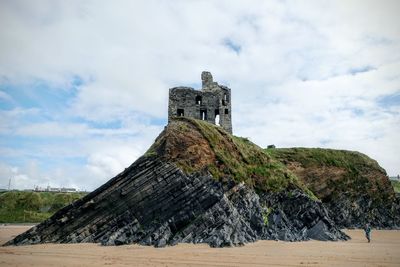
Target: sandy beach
pixel 383 251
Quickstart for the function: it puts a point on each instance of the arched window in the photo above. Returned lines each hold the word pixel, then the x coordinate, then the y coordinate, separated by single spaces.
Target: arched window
pixel 217 118
pixel 198 100
pixel 203 114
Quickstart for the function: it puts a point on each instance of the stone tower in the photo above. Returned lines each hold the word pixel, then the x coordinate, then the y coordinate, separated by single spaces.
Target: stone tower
pixel 212 103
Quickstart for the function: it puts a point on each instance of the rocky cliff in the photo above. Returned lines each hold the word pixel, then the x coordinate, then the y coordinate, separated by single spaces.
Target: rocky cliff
pixel 353 187
pixel 196 184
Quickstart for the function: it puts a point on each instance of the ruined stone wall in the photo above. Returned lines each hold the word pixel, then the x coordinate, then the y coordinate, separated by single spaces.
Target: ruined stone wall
pixel 211 102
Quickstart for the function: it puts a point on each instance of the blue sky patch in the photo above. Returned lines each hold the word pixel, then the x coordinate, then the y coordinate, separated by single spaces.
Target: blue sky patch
pixel 389 100
pixel 41 95
pixel 235 47
pixel 357 70
pixel 357 112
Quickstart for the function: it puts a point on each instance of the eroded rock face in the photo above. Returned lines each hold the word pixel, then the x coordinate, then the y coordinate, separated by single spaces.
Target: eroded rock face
pixel 356 211
pixel 294 216
pixel 353 187
pixel 154 203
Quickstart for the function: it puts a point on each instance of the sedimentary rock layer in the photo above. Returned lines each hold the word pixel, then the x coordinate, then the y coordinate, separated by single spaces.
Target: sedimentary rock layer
pixel 155 203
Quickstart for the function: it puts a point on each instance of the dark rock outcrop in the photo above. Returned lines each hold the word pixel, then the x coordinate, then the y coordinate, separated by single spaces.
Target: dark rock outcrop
pixel 352 186
pixel 154 203
pixel 294 216
pixel 356 211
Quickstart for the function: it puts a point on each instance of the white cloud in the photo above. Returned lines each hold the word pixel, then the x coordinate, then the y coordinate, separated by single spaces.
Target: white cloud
pixel 308 73
pixel 16 177
pixel 52 129
pixel 55 164
pixel 5 97
pixel 341 112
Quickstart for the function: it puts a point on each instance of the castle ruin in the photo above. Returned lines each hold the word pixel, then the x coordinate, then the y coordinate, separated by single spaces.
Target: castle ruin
pixel 212 103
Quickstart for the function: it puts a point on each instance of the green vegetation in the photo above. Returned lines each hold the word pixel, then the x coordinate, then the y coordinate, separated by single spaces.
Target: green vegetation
pixel 309 157
pixel 244 161
pixel 329 173
pixel 322 173
pixel 267 211
pixel 396 186
pixel 32 207
pixel 235 157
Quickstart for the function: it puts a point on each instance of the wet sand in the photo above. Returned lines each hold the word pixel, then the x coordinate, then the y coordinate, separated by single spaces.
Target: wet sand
pixel 384 250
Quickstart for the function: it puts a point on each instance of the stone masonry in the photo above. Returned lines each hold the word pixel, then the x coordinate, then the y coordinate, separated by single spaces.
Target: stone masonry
pixel 212 103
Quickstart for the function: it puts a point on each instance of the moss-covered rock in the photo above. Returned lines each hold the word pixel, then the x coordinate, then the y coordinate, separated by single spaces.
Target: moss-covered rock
pixel 200 184
pixel 197 146
pixel 329 173
pixel 396 186
pixel 352 185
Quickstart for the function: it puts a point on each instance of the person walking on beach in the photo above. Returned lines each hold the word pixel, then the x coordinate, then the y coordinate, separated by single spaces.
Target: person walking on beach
pixel 367 230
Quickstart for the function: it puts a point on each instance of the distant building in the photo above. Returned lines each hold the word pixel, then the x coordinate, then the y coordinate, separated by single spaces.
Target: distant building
pixel 55 189
pixel 68 190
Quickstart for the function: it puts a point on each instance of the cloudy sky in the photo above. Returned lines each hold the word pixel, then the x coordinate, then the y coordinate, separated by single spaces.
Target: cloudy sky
pixel 84 84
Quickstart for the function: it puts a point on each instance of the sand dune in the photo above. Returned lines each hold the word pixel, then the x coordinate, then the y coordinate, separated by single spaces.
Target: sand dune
pixel 383 251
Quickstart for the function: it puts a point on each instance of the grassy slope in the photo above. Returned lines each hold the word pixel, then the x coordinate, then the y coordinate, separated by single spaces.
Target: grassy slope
pixel 31 207
pixel 223 155
pixel 329 172
pixel 197 146
pixel 396 185
pixel 309 157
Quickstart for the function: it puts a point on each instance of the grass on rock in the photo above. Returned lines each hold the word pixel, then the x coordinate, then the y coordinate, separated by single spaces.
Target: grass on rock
pixel 236 158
